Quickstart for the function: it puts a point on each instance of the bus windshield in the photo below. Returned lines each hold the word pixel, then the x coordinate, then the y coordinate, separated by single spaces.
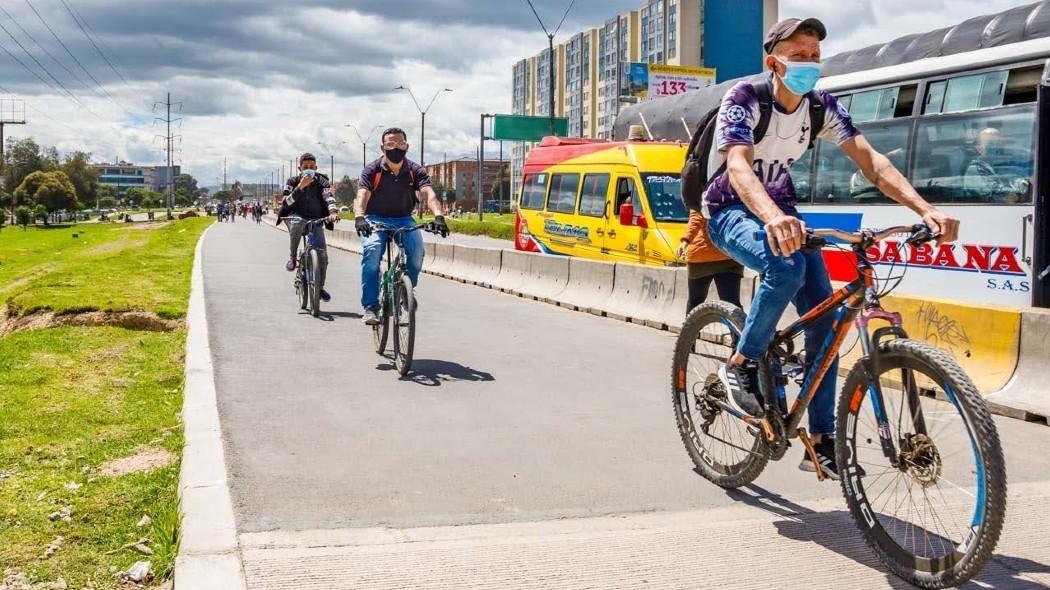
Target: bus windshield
pixel 665 197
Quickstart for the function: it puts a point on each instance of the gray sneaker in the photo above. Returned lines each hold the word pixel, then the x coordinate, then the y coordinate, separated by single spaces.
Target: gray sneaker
pixel 371 316
pixel 740 382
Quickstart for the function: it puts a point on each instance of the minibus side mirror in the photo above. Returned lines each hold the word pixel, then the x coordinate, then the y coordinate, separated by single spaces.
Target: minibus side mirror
pixel 627 213
pixel 643 222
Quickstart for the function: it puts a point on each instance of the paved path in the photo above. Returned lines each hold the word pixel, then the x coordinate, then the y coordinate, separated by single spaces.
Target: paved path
pixel 531 447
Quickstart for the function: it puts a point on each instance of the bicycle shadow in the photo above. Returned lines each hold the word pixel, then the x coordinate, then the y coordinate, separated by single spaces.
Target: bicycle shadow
pixel 432 373
pixel 836 531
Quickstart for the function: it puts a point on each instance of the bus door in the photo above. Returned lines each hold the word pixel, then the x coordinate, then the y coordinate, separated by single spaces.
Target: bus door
pixel 1040 222
pixel 623 236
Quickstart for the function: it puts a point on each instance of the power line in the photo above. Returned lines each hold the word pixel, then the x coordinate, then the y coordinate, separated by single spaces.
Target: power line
pixel 99 39
pixel 93 44
pixel 46 52
pixel 37 62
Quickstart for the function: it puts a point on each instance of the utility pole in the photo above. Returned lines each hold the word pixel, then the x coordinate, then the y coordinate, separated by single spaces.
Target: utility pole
pixel 331 154
pixel 422 117
pixel 224 173
pixel 550 57
pixel 12 112
pixel 169 145
pixel 364 141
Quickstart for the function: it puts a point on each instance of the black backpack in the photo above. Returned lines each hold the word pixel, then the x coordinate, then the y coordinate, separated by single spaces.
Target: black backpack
pixel 695 178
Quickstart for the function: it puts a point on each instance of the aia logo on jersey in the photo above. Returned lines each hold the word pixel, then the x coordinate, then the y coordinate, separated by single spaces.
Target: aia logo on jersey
pixel 960 257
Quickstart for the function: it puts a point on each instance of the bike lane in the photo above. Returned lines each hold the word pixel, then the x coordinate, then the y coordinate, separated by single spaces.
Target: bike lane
pixel 517 416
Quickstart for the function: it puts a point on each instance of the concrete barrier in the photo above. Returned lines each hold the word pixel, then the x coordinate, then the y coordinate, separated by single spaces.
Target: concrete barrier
pixel 428 255
pixel 642 294
pixel 1027 395
pixel 589 287
pixel 443 260
pixel 477 266
pixel 548 276
pixel 514 271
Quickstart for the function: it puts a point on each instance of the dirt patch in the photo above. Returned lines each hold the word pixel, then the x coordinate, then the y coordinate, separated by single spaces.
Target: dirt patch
pixel 145 460
pixel 117 246
pixel 131 320
pixel 147 225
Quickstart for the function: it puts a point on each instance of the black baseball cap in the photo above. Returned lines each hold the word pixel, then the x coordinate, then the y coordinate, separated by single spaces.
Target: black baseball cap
pixel 787 28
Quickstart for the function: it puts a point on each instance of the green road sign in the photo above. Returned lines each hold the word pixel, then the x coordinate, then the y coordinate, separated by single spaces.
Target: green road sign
pixel 524 128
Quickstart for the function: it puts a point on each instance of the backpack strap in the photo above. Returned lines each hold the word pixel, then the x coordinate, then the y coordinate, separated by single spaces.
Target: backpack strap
pixel 816 116
pixel 764 90
pixel 377 179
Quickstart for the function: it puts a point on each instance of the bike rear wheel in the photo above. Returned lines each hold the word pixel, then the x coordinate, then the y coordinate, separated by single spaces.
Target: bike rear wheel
pixel 724 449
pixel 381 331
pixel 934 518
pixel 404 324
pixel 315 283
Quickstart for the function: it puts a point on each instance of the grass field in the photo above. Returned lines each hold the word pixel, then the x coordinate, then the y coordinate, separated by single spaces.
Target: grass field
pixel 89 416
pixel 107 267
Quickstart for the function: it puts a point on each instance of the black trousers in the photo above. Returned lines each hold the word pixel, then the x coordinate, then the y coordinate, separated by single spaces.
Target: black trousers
pixel 727 284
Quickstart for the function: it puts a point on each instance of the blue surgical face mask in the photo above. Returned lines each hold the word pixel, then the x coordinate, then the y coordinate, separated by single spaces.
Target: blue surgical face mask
pixel 801 77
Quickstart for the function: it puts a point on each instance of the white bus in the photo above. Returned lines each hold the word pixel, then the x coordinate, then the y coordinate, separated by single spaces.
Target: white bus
pixel 971 131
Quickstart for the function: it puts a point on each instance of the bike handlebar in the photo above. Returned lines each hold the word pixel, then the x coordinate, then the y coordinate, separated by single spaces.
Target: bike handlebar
pixel 427 227
pixel 918 233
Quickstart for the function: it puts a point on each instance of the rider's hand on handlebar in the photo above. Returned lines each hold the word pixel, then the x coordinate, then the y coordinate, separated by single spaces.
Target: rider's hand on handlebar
pixel 943 224
pixel 785 234
pixel 333 218
pixel 361 225
pixel 440 226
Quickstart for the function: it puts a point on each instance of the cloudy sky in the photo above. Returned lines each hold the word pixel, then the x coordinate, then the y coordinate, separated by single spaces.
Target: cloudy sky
pixel 263 80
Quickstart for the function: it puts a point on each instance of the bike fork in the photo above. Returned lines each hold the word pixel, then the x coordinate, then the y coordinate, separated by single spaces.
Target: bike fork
pixel 878 402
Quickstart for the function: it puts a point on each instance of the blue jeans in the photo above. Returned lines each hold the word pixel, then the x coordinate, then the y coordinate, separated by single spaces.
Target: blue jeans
pixel 373 249
pixel 801 279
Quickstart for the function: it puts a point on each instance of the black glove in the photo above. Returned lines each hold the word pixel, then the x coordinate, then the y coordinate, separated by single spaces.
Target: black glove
pixel 361 225
pixel 440 226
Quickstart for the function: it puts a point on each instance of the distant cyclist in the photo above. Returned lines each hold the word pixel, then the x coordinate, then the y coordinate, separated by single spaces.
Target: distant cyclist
pixel 753 191
pixel 308 196
pixel 386 195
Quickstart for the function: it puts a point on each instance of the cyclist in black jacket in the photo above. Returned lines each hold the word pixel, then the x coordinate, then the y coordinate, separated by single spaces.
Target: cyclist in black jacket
pixel 308 195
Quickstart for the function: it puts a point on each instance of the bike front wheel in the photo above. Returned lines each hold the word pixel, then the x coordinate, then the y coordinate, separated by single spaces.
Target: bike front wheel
pixel 723 448
pixel 301 283
pixel 928 489
pixel 315 283
pixel 404 324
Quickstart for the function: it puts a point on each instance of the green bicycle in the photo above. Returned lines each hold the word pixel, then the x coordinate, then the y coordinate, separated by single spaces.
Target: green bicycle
pixel 397 300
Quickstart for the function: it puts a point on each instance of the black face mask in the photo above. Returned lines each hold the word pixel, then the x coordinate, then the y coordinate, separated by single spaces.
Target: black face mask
pixel 395 155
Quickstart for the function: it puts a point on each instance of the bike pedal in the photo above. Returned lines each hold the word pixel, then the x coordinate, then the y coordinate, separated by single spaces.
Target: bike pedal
pixel 808 443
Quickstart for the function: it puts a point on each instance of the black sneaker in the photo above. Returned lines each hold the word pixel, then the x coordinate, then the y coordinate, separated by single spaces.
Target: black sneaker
pixel 825 450
pixel 325 296
pixel 740 382
pixel 371 316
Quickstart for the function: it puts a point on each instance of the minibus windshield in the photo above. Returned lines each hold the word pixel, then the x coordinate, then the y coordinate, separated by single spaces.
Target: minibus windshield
pixel 665 197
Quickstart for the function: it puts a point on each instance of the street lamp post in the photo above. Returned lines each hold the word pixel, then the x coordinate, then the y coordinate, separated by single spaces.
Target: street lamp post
pixel 422 118
pixel 331 154
pixel 364 141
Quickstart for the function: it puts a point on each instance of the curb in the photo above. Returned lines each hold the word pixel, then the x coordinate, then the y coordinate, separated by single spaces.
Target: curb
pixel 209 556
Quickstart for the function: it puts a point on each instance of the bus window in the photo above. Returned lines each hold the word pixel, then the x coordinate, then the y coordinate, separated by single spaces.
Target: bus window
pixel 592 197
pixel 800 172
pixel 535 191
pixel 625 191
pixel 966 93
pixel 563 193
pixel 873 105
pixel 984 157
pixel 845 100
pixel 665 197
pixel 1022 84
pixel 839 182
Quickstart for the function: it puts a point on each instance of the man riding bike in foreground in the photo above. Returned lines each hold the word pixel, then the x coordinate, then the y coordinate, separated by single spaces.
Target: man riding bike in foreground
pixel 753 191
pixel 308 196
pixel 386 196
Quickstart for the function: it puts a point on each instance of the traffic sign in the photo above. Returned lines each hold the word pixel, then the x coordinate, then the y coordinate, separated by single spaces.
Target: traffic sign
pixel 526 128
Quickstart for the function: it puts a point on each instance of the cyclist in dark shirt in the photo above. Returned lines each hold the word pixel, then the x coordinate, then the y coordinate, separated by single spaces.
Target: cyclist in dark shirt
pixel 386 195
pixel 308 196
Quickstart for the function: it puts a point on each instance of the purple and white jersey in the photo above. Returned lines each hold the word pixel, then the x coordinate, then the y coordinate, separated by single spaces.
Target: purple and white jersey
pixel 786 140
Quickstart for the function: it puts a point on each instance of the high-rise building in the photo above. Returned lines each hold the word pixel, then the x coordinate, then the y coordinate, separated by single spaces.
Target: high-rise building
pixel 592 67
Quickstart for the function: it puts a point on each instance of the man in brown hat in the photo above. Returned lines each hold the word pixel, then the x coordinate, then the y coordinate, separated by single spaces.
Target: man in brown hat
pixel 752 190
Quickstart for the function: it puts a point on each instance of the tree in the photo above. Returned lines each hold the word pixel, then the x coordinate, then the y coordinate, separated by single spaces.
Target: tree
pixel 23 215
pixel 24 157
pixel 82 174
pixel 137 195
pixel 40 212
pixel 237 190
pixel 3 218
pixel 103 192
pixel 51 190
pixel 223 196
pixel 346 191
pixel 107 202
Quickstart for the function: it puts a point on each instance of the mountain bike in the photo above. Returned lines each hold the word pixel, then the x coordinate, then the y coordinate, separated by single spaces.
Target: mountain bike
pixel 397 299
pixel 306 273
pixel 921 466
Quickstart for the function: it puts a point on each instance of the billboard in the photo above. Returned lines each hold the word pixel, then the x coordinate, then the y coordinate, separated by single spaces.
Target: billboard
pixel 655 80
